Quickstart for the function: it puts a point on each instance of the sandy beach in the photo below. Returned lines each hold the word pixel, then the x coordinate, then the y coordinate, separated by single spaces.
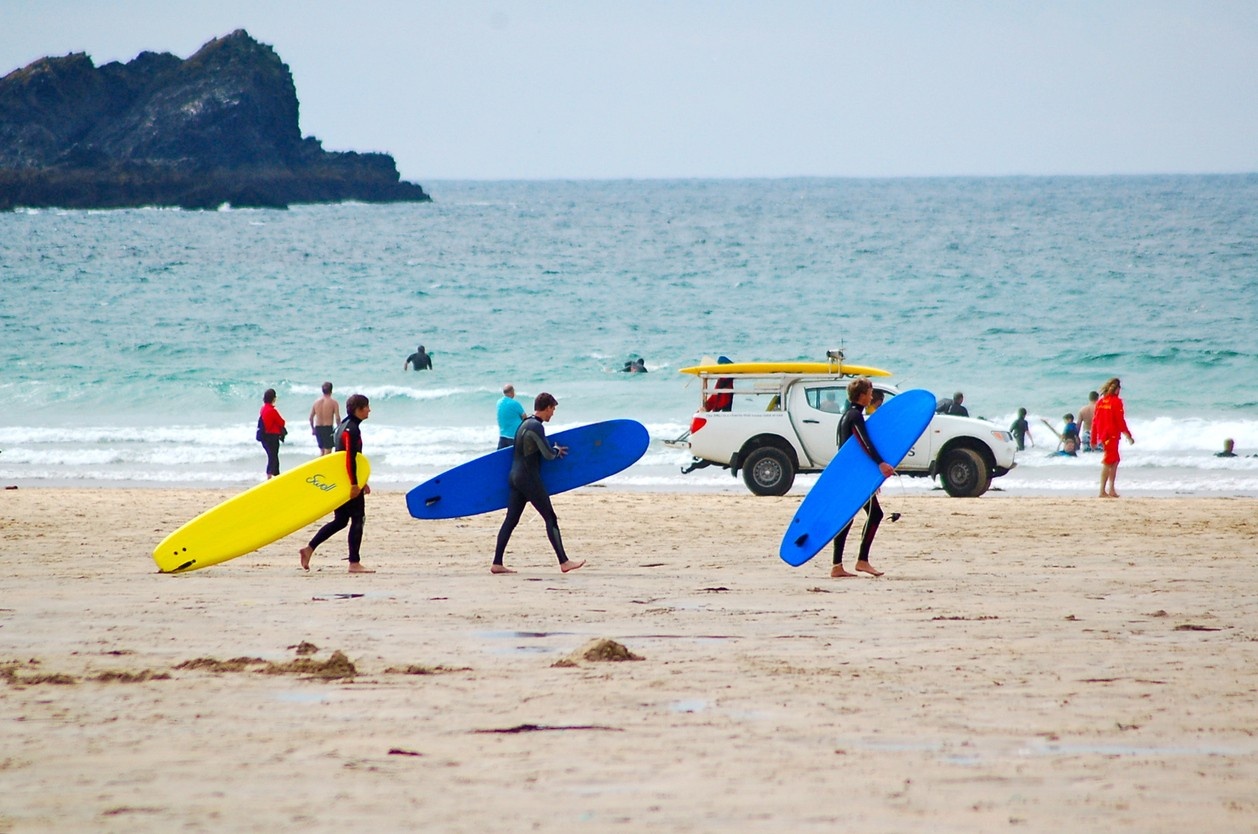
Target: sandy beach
pixel 1040 664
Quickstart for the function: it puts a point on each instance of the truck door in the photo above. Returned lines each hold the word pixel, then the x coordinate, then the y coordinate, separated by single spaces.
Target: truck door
pixel 815 409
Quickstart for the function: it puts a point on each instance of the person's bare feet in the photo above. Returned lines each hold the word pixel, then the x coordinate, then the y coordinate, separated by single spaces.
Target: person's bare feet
pixel 306 553
pixel 357 567
pixel 570 566
pixel 839 571
pixel 500 569
pixel 865 567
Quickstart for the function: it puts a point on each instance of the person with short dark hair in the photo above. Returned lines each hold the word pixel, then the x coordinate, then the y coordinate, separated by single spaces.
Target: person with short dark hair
pixel 353 512
pixel 419 360
pixel 952 406
pixel 271 432
pixel 852 425
pixel 531 448
pixel 324 415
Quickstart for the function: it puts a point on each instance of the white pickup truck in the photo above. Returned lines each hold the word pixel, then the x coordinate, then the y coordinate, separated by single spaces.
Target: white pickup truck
pixel 779 424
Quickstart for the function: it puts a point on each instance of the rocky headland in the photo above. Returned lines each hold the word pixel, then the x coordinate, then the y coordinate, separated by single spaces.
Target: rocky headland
pixel 219 127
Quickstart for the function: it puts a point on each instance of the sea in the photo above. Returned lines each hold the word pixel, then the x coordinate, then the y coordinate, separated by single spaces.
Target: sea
pixel 137 344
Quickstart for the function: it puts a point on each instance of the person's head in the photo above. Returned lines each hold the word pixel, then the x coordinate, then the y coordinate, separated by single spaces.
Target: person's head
pixel 357 403
pixel 268 396
pixel 875 399
pixel 1111 387
pixel 544 406
pixel 327 389
pixel 958 398
pixel 1069 418
pixel 1021 413
pixel 508 390
pixel 420 349
pixel 1093 396
pixel 1228 444
pixel 858 388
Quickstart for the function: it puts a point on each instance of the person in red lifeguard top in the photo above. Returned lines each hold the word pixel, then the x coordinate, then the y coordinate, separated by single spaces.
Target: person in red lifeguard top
pixel 271 432
pixel 1108 424
pixel 349 439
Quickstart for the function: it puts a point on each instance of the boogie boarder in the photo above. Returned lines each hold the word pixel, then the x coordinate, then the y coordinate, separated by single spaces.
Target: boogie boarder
pixel 530 448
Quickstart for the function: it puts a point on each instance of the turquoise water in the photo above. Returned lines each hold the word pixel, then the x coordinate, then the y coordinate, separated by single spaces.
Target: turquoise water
pixel 137 344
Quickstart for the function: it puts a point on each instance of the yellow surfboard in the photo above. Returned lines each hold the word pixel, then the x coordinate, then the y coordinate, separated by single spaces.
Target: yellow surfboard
pixel 753 368
pixel 259 516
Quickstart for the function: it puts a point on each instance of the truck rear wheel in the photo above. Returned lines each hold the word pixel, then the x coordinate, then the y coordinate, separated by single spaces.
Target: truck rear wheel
pixel 964 474
pixel 768 471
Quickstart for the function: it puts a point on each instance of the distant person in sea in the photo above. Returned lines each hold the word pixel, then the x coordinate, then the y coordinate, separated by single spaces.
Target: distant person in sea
pixel 1085 422
pixel 353 512
pixel 324 415
pixel 510 416
pixel 531 448
pixel 419 360
pixel 1108 424
pixel 852 425
pixel 952 406
pixel 1021 430
pixel 635 366
pixel 1070 436
pixel 271 432
pixel 1229 447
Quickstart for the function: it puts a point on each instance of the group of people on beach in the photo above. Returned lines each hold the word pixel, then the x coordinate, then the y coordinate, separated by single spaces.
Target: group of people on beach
pixel 1101 425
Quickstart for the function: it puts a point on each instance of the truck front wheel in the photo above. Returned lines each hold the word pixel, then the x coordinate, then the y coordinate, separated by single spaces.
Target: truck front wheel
pixel 964 474
pixel 768 471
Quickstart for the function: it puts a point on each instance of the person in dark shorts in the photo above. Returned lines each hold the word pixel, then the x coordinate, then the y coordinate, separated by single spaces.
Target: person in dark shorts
pixel 530 448
pixel 353 512
pixel 852 425
pixel 324 416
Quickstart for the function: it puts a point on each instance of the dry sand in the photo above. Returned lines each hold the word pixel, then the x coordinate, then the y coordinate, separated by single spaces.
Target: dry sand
pixel 1026 664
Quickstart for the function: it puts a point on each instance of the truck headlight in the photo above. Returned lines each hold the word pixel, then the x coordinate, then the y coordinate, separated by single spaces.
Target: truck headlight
pixel 1003 436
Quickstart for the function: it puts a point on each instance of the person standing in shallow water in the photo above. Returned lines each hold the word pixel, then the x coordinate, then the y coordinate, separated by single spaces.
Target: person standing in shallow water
pixel 324 415
pixel 353 512
pixel 531 448
pixel 510 416
pixel 419 360
pixel 1108 424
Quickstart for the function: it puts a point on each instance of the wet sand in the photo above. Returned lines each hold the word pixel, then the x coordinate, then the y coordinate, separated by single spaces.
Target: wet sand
pixel 1026 664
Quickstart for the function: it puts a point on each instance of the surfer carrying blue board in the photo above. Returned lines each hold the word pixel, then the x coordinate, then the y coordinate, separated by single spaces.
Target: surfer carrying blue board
pixel 349 440
pixel 530 448
pixel 852 424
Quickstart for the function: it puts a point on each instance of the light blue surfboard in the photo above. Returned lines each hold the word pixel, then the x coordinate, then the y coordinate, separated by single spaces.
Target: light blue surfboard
pixel 480 486
pixel 852 476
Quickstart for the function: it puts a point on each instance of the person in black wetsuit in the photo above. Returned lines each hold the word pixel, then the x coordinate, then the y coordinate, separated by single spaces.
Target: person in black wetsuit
pixel 349 439
pixel 852 425
pixel 531 448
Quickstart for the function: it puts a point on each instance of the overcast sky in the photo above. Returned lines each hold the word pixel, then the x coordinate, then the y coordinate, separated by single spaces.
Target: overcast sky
pixel 491 89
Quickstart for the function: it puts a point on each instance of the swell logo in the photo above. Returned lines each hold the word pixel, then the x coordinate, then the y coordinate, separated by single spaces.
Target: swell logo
pixel 317 482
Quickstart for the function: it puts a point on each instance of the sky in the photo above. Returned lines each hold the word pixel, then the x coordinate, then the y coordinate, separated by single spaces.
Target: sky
pixel 646 89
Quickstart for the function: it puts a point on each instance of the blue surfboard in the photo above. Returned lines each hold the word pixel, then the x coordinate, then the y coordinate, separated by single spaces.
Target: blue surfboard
pixel 851 476
pixel 480 486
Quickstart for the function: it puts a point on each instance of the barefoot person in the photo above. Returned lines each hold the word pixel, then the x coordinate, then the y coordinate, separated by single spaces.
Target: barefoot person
pixel 271 432
pixel 852 425
pixel 349 440
pixel 1108 424
pixel 324 415
pixel 531 448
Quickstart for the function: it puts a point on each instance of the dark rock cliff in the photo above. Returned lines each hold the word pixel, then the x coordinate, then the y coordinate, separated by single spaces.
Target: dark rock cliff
pixel 219 127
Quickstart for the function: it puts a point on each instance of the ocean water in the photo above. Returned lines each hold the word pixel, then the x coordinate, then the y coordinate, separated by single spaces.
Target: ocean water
pixel 137 344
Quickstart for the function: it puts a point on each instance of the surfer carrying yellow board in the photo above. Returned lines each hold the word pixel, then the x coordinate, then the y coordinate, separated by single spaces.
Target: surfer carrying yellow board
pixel 349 439
pixel 852 425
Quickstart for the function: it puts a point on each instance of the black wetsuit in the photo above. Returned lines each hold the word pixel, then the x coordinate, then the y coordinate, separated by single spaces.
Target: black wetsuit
pixel 531 448
pixel 354 511
pixel 852 424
